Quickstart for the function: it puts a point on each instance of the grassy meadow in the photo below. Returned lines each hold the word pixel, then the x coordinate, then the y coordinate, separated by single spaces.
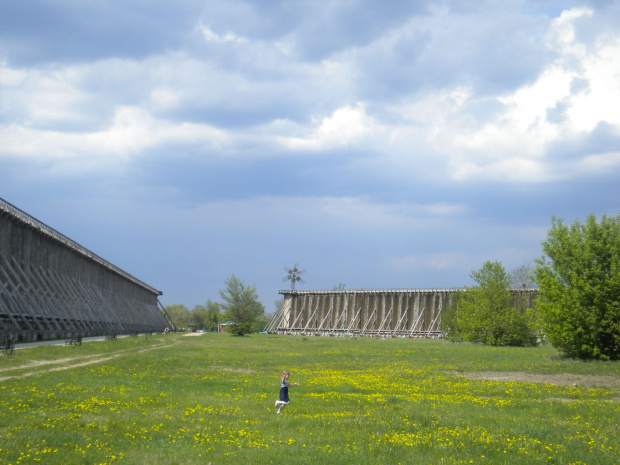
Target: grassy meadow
pixel 176 399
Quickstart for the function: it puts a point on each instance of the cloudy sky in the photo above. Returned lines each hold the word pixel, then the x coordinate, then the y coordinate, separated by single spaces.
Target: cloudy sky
pixel 378 144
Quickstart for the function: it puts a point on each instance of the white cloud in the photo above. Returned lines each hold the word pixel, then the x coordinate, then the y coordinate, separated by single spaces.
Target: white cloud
pixel 563 30
pixel 513 144
pixel 131 131
pixel 211 36
pixel 437 130
pixel 42 96
pixel 11 77
pixel 601 102
pixel 165 97
pixel 601 164
pixel 345 127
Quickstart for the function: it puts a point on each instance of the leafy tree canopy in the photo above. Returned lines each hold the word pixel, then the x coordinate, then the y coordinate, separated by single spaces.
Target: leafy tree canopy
pixel 488 313
pixel 213 316
pixel 579 281
pixel 198 316
pixel 179 314
pixel 241 306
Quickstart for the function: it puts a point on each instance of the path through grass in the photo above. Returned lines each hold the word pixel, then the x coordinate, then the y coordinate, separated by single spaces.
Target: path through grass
pixel 174 399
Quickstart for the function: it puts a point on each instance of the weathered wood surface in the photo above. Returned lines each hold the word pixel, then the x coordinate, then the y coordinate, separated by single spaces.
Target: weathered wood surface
pixel 378 312
pixel 50 285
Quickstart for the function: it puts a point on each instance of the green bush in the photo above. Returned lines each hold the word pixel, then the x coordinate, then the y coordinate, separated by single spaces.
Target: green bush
pixel 579 279
pixel 487 313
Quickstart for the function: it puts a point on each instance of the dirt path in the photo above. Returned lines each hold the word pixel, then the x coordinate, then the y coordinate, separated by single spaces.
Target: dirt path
pixel 72 362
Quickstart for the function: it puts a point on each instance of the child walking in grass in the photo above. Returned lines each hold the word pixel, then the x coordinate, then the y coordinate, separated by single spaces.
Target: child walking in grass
pixel 284 385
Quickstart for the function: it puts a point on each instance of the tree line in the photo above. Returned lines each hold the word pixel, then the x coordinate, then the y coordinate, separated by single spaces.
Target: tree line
pixel 240 310
pixel 578 307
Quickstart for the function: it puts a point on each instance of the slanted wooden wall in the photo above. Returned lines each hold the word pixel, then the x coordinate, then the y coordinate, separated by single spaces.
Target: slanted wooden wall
pixel 384 312
pixel 51 287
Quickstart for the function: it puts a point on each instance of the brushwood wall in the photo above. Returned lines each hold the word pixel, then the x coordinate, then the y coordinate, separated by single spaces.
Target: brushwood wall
pixel 52 287
pixel 385 312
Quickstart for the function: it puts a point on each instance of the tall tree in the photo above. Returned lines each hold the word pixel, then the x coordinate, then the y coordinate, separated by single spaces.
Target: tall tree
pixel 213 316
pixel 579 283
pixel 179 314
pixel 487 313
pixel 241 306
pixel 198 316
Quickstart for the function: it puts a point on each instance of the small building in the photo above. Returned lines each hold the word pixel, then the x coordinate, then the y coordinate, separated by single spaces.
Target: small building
pixel 221 327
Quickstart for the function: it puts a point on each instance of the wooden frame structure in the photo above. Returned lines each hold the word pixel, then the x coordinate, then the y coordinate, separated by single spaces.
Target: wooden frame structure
pixel 382 312
pixel 378 313
pixel 52 287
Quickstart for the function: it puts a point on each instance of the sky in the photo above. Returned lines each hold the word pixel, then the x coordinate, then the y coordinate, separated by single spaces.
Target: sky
pixel 378 145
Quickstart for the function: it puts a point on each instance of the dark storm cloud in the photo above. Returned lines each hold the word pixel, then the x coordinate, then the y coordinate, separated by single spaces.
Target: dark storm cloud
pixel 449 49
pixel 40 31
pixel 602 139
pixel 336 26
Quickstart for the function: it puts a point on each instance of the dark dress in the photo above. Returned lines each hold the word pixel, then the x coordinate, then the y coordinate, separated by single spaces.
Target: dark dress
pixel 284 392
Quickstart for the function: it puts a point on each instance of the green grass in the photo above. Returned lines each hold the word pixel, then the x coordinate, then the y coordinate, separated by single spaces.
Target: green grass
pixel 209 399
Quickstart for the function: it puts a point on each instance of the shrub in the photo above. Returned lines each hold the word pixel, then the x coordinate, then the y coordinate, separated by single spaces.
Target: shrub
pixel 488 313
pixel 579 280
